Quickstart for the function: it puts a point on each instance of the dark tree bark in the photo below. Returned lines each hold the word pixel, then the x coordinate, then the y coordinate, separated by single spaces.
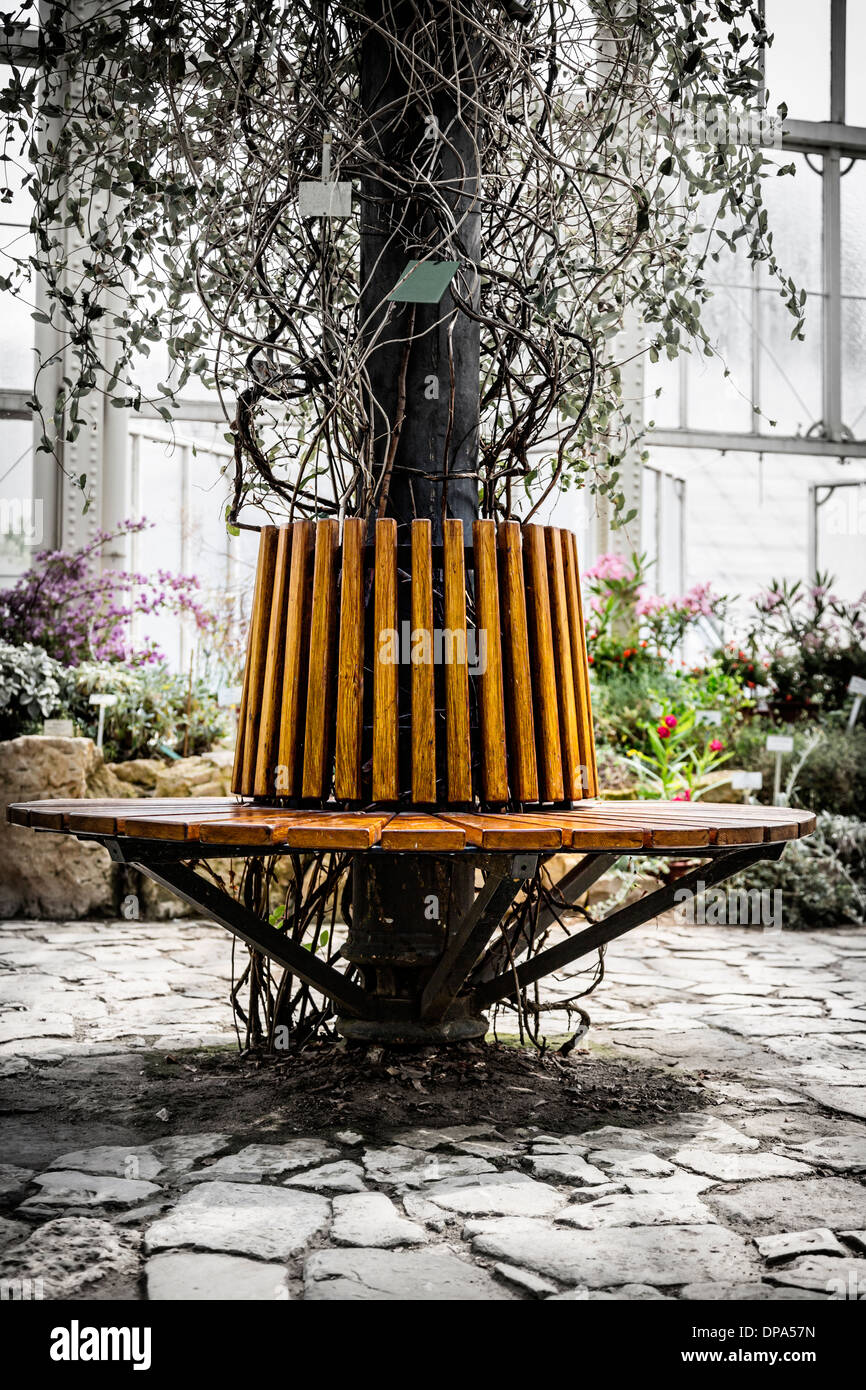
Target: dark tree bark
pixel 427 389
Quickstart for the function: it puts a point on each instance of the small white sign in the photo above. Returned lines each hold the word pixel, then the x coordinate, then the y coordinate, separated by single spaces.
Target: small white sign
pixel 104 700
pixel 747 781
pixel 708 716
pixel 229 696
pixel 325 199
pixel 58 728
pixel 857 686
pixel 780 743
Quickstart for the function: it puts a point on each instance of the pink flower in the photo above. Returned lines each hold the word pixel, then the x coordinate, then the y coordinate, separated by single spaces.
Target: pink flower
pixel 716 746
pixel 671 721
pixel 609 567
pixel 683 796
pixel 663 731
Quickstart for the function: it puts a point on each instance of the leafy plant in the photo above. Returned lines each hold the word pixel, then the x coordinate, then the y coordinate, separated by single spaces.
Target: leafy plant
pixel 679 759
pixel 804 644
pixel 155 709
pixel 190 127
pixel 31 688
pixel 822 877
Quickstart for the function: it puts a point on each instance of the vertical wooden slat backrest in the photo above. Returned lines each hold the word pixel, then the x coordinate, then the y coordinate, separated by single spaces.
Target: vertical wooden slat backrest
pixel 350 668
pixel 494 775
pixel 423 691
pixel 518 675
pixel 265 779
pixel 569 740
pixel 295 661
pixel 322 642
pixel 458 746
pixel 581 664
pixel 531 740
pixel 254 677
pixel 543 665
pixel 385 672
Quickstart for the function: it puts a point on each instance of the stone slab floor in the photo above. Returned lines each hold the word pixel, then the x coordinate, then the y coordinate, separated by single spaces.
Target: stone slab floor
pixel 757 1195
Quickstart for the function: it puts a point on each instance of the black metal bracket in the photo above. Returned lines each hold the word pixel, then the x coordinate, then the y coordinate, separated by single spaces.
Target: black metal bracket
pixel 505 876
pixel 196 891
pixel 722 866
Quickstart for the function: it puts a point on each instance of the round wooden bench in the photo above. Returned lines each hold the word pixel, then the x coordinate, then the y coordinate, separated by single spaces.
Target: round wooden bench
pixel 430 701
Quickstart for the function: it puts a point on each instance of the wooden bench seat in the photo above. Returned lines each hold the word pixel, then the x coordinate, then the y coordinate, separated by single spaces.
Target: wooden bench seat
pixel 594 825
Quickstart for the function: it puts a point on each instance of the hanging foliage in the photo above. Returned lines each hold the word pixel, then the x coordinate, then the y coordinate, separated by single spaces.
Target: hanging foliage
pixel 165 144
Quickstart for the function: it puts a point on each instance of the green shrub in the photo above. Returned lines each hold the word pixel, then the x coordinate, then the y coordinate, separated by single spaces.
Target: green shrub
pixel 833 777
pixel 150 713
pixel 822 877
pixel 31 688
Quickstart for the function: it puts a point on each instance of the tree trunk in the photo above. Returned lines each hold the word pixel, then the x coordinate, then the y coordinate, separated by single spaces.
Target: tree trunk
pixel 422 398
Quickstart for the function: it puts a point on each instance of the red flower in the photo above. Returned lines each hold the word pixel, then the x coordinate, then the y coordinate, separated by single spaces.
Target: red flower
pixel 663 731
pixel 671 721
pixel 683 796
pixel 716 746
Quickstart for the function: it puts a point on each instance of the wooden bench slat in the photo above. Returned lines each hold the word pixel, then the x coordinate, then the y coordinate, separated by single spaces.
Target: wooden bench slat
pixel 295 661
pixel 264 783
pixel 494 772
pixel 350 677
pixel 551 787
pixel 317 736
pixel 385 670
pixel 298 830
pixel 410 831
pixel 580 661
pixel 572 764
pixel 518 676
pixel 517 831
pixel 423 690
pixel 257 650
pixel 458 747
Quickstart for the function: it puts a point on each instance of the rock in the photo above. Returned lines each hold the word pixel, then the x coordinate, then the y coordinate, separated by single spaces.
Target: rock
pixel 180 1276
pixel 566 1167
pixel 655 1255
pixel 139 774
pixel 448 1134
pixel 370 1219
pixel 787 1204
pixel 637 1210
pixel 12 1231
pixel 405 1276
pixel 349 1137
pixel 77 1257
pixel 420 1209
pixel 855 1238
pixel 785 1246
pixel 640 1293
pixel 837 1278
pixel 69 1189
pixel 134 1161
pixel 341 1176
pixel 844 1152
pixel 50 876
pixel 625 1163
pixel 181 1151
pixel 13 1180
pixel 417 1167
pixel 526 1280
pixel 740 1167
pixel 208 774
pixel 497 1194
pixel 269 1223
pixel 741 1293
pixel 592 1194
pixel 257 1161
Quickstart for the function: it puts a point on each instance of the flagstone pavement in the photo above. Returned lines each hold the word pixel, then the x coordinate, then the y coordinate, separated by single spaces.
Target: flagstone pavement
pixel 758 1195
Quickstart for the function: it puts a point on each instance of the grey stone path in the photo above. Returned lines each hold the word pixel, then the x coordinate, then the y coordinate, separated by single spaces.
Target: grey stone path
pixel 759 1195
